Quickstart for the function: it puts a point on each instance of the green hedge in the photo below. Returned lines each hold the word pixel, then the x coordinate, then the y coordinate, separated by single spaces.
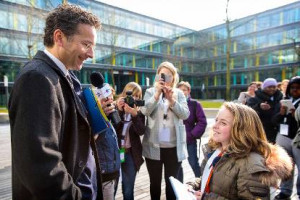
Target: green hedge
pixel 211 104
pixel 3 110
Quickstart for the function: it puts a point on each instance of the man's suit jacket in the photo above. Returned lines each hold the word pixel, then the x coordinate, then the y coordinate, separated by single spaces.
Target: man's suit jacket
pixel 50 133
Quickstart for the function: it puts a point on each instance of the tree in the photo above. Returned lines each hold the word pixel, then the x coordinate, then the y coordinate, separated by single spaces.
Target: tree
pixel 228 48
pixel 229 29
pixel 111 34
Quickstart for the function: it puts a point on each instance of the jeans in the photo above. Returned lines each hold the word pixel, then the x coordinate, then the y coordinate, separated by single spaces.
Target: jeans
pixel 128 176
pixel 168 159
pixel 193 161
pixel 109 188
pixel 286 187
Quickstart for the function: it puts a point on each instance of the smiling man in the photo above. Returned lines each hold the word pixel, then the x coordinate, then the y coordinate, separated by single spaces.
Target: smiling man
pixel 51 137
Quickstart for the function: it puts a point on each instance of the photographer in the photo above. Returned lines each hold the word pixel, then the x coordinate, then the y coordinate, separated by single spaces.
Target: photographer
pixel 286 134
pixel 129 133
pixel 165 143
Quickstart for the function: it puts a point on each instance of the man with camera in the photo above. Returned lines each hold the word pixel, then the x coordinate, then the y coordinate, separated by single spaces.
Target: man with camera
pixel 129 132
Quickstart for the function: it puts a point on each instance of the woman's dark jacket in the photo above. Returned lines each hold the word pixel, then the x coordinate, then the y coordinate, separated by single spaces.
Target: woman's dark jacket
pixel 266 116
pixel 290 119
pixel 136 129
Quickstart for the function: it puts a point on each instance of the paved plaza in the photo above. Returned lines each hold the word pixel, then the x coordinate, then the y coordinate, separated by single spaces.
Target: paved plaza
pixel 142 181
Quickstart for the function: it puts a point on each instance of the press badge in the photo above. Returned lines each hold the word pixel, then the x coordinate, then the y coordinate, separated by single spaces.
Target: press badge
pixel 165 135
pixel 284 129
pixel 122 155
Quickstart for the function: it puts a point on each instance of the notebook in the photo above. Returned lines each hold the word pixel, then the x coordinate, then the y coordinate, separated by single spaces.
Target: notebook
pixel 180 190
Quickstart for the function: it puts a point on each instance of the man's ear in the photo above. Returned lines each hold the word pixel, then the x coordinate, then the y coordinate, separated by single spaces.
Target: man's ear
pixel 58 37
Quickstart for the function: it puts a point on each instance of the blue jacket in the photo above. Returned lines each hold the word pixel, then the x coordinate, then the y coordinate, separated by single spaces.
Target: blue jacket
pixel 108 152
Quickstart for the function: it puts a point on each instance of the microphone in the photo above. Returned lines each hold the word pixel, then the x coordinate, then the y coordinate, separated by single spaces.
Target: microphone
pixel 97 79
pixel 103 90
pixel 98 119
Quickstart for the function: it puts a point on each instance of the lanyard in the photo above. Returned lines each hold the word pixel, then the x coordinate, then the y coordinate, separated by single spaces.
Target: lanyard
pixel 127 123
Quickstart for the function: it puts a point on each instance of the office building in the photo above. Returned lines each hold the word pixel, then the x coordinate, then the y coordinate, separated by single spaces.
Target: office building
pixel 130 46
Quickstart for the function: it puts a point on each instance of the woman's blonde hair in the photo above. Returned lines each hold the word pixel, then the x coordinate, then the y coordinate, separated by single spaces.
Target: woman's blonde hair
pixel 173 70
pixel 247 132
pixel 134 87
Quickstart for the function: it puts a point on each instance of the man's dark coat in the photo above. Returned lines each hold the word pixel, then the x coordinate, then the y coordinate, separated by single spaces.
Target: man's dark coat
pixel 50 133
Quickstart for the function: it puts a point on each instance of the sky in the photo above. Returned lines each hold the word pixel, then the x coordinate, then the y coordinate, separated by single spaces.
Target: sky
pixel 196 14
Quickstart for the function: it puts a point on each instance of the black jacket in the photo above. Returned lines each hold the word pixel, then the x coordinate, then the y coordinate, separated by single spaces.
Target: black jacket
pixel 50 133
pixel 266 116
pixel 137 129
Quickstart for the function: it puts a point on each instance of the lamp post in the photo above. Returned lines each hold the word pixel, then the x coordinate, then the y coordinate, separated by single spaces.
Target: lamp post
pixel 6 88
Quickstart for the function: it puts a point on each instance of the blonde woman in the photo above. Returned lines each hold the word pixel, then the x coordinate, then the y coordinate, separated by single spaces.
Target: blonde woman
pixel 239 162
pixel 129 133
pixel 165 143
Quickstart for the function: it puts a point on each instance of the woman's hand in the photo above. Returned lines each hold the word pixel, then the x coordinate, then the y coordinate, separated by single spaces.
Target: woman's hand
pixel 283 109
pixel 198 195
pixel 120 104
pixel 169 94
pixel 133 111
pixel 159 88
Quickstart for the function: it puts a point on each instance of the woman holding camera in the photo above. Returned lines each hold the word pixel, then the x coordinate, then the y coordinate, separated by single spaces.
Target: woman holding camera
pixel 165 142
pixel 129 133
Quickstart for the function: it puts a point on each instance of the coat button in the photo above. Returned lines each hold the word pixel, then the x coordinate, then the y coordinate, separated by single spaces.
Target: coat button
pixel 80 164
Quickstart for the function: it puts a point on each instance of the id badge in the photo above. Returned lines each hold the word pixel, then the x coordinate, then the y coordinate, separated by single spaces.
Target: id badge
pixel 165 135
pixel 122 155
pixel 284 129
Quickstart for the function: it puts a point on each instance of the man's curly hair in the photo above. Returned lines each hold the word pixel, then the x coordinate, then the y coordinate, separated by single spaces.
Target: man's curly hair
pixel 67 17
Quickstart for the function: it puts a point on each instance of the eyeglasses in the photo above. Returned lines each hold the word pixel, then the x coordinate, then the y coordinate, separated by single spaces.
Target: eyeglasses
pixel 88 46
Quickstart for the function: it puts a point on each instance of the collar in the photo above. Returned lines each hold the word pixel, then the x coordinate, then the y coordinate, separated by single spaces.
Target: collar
pixel 61 66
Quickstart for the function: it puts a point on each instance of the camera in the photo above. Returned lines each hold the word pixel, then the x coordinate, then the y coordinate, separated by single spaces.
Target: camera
pixel 163 76
pixel 131 101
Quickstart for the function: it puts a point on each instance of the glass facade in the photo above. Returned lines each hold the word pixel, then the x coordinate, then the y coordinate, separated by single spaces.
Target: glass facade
pixel 130 46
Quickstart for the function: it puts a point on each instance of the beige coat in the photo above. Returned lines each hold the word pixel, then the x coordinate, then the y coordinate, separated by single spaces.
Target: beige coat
pixel 151 147
pixel 246 178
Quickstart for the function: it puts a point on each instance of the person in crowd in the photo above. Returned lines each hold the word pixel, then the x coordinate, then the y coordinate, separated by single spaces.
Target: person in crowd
pixel 239 162
pixel 129 133
pixel 258 84
pixel 283 86
pixel 244 96
pixel 195 127
pixel 296 141
pixel 267 104
pixel 52 145
pixel 279 86
pixel 164 145
pixel 287 132
pixel 109 152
